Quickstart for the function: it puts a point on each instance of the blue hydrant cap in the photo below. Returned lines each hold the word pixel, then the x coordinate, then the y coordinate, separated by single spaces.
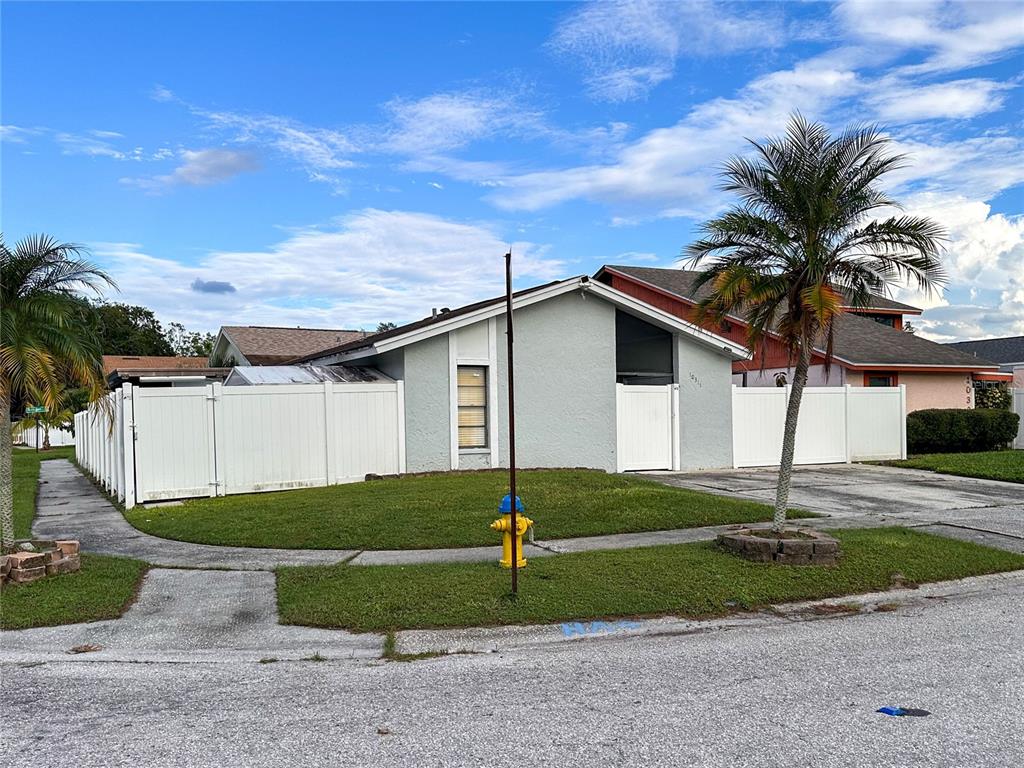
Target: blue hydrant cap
pixel 506 504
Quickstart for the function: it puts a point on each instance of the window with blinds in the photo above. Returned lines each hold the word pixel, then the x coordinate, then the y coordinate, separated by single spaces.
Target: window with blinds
pixel 472 382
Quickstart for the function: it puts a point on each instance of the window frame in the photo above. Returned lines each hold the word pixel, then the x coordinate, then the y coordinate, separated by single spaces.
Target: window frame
pixel 486 408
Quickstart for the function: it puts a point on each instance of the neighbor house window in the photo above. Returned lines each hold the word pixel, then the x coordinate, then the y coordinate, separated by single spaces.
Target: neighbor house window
pixel 879 380
pixel 472 382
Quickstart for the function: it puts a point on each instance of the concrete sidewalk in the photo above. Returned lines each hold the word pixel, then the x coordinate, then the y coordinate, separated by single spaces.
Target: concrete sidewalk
pixel 193 616
pixel 70 506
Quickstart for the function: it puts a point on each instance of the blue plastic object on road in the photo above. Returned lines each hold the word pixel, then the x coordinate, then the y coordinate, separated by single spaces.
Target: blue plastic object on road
pixel 903 712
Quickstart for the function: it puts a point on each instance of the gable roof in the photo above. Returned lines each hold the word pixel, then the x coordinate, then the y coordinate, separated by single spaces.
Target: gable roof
pixel 470 313
pixel 113 363
pixel 1009 349
pixel 858 341
pixel 268 345
pixel 680 281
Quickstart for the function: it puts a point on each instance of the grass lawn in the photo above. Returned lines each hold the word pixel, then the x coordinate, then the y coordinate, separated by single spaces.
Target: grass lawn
pixel 103 589
pixel 26 484
pixel 991 465
pixel 689 580
pixel 442 510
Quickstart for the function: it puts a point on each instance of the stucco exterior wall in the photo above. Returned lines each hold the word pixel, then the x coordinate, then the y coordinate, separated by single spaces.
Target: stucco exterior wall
pixel 427 411
pixel 565 384
pixel 932 390
pixel 705 406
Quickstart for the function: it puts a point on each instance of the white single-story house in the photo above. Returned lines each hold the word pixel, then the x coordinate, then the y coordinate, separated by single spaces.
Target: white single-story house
pixel 599 374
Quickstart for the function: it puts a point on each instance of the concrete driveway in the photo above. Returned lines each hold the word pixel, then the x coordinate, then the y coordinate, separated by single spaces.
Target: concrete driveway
pixel 862 494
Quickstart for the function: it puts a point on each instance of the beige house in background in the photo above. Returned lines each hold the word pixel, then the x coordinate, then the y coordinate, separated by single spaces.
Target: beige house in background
pixel 271 345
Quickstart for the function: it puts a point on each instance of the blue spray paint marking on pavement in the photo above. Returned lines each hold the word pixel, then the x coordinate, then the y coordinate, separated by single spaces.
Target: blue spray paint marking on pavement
pixel 582 629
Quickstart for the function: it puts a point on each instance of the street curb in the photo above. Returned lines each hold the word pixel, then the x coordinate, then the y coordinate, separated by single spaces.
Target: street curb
pixel 519 637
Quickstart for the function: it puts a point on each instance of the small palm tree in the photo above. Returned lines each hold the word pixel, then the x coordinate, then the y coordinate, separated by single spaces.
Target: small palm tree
pixel 804 243
pixel 47 336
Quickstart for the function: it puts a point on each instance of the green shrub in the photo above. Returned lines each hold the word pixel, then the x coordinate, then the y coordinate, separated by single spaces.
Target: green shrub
pixel 993 397
pixel 959 430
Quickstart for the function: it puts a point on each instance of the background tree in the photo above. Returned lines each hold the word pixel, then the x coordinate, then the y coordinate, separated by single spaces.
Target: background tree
pixel 126 329
pixel 803 243
pixel 381 327
pixel 48 336
pixel 185 343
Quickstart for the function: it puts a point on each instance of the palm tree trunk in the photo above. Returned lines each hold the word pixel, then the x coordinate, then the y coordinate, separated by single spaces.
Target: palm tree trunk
pixel 789 437
pixel 6 478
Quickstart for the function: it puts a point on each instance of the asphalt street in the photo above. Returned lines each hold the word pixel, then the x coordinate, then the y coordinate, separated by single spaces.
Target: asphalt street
pixel 797 693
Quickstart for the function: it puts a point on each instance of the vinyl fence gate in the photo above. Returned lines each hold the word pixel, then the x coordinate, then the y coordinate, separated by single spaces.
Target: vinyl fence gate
pixel 156 443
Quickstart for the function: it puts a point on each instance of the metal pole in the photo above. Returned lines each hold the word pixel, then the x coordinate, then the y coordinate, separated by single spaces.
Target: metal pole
pixel 37 434
pixel 511 419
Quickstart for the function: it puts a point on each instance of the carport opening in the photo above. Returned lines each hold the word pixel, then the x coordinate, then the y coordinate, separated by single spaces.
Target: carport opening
pixel 643 352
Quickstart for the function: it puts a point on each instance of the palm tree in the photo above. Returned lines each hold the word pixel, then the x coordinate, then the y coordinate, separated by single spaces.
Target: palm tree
pixel 806 241
pixel 47 336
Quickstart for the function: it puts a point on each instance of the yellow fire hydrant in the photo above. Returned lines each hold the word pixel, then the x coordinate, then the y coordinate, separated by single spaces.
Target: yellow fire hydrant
pixel 504 524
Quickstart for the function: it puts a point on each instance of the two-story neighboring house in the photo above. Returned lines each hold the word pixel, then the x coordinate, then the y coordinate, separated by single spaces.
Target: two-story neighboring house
pixel 871 347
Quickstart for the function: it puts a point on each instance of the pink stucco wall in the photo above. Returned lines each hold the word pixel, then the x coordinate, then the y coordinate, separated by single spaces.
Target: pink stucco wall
pixel 938 390
pixel 1018 378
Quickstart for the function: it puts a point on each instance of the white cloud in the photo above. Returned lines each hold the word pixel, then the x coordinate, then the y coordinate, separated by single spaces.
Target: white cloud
pixel 955 35
pixel 670 171
pixel 445 121
pixel 368 267
pixel 319 151
pixel 985 258
pixel 958 99
pixel 92 145
pixel 628 47
pixel 16 134
pixel 200 168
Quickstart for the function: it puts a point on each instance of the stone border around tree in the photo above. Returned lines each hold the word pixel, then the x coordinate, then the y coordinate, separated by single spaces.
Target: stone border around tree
pixel 816 549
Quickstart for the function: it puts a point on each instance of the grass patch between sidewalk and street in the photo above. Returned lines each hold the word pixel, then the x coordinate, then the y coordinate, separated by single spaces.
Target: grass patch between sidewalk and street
pixel 988 465
pixel 686 580
pixel 451 509
pixel 25 472
pixel 103 589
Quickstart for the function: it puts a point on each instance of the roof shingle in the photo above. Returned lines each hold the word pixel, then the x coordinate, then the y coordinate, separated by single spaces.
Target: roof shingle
pixel 269 345
pixel 858 340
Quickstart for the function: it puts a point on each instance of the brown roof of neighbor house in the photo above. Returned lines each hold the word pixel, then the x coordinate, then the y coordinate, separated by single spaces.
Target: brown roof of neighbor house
pixel 268 345
pixel 149 362
pixel 444 314
pixel 858 340
pixel 680 281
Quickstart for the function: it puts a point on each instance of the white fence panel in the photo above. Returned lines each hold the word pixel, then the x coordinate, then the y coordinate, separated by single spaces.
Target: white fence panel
pixel 364 431
pixel 270 438
pixel 181 442
pixel 837 424
pixel 878 423
pixel 1018 408
pixel 821 429
pixel 58 437
pixel 758 420
pixel 645 418
pixel 173 443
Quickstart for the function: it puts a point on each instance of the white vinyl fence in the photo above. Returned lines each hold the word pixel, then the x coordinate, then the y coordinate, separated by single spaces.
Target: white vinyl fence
pixel 837 424
pixel 1018 408
pixel 159 443
pixel 58 437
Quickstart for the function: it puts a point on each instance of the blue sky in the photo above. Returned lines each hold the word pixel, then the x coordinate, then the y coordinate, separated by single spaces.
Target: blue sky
pixel 337 164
